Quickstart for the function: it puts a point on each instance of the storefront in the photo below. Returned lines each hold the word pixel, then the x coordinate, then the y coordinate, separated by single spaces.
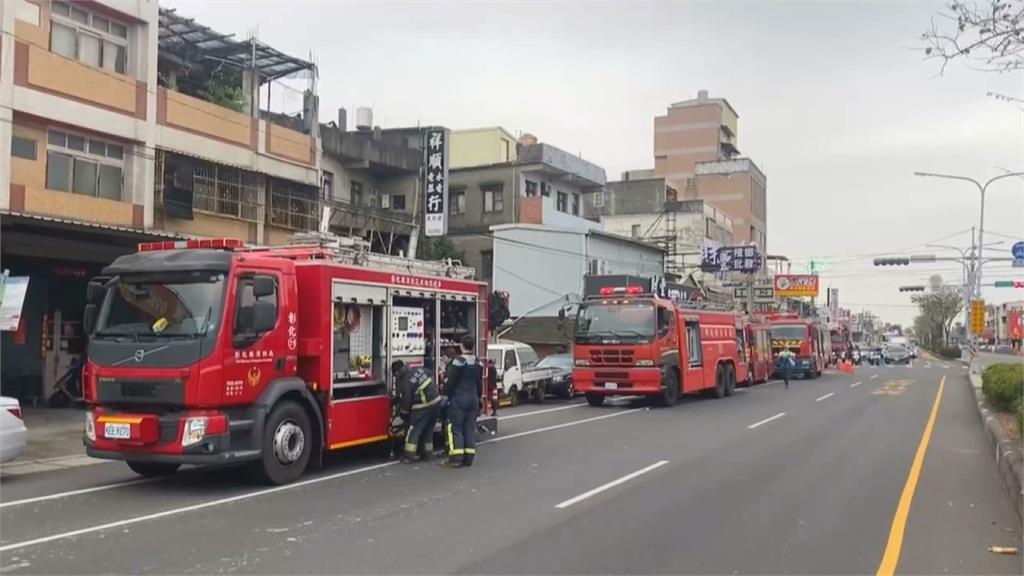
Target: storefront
pixel 59 257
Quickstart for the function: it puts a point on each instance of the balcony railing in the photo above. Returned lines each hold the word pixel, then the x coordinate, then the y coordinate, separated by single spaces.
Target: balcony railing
pixel 294 211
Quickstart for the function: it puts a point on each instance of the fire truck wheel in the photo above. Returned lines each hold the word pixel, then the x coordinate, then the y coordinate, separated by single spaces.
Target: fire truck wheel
pixel 719 383
pixel 669 389
pixel 287 441
pixel 595 399
pixel 730 380
pixel 513 396
pixel 151 469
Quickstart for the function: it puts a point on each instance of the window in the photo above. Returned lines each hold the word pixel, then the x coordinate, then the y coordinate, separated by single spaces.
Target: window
pixel 666 321
pixel 398 202
pixel 635 231
pixel 592 267
pixel 494 200
pixel 575 204
pixel 527 357
pixel 510 359
pixel 562 203
pixel 23 148
pixel 83 165
pixel 693 343
pixel 599 199
pixel 531 188
pixel 545 189
pixel 88 37
pixel 246 304
pixel 457 202
pixel 328 187
pixel 487 264
pixel 357 193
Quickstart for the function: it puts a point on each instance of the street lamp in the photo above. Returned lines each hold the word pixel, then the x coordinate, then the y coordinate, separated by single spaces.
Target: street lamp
pixel 981 224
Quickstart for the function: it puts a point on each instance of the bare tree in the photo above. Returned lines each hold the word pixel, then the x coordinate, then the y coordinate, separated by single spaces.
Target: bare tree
pixel 988 35
pixel 939 309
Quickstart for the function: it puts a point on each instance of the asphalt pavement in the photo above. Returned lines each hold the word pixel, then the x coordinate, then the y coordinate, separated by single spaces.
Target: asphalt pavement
pixel 806 480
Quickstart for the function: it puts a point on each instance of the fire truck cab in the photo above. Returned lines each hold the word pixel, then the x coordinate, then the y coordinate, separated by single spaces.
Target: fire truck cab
pixel 208 352
pixel 628 342
pixel 805 337
pixel 756 344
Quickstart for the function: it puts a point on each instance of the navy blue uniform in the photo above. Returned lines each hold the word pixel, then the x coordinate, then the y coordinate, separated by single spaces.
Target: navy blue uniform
pixel 464 390
pixel 421 400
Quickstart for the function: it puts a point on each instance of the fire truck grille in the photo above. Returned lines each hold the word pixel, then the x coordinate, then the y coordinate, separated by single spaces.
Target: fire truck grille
pixel 611 375
pixel 611 357
pixel 118 391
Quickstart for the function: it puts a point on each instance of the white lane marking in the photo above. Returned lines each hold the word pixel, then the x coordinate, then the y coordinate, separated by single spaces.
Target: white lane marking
pixel 873 376
pixel 855 384
pixel 553 427
pixel 829 395
pixel 738 390
pixel 928 365
pixel 266 491
pixel 752 426
pixel 536 412
pixel 610 485
pixel 77 492
pixel 946 366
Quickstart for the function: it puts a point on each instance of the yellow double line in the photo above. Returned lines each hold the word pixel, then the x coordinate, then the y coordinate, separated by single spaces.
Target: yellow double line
pixel 891 557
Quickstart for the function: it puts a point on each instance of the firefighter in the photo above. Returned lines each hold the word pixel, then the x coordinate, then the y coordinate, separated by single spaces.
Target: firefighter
pixel 464 389
pixel 419 405
pixel 787 361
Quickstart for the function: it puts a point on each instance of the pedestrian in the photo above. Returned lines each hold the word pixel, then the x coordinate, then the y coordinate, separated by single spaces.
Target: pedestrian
pixel 786 364
pixel 464 389
pixel 419 405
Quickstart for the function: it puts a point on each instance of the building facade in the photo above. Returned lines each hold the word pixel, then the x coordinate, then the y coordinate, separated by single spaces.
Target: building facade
pixel 540 185
pixel 696 152
pixel 123 122
pixel 542 267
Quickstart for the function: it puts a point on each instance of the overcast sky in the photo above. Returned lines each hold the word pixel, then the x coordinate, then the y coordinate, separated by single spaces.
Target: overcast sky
pixel 835 106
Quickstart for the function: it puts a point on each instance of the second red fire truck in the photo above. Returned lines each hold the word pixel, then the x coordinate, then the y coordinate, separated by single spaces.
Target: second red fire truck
pixel 629 341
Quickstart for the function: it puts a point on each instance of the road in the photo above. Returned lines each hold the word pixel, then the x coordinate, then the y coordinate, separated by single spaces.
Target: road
pixel 819 478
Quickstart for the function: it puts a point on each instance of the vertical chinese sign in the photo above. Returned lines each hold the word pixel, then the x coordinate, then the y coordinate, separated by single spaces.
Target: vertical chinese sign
pixel 435 184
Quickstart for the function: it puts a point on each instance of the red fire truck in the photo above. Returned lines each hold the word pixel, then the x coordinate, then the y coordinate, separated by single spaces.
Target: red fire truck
pixel 805 337
pixel 756 343
pixel 629 342
pixel 208 352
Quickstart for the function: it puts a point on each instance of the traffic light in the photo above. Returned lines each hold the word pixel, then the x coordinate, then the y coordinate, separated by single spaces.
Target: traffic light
pixel 1009 284
pixel 911 288
pixel 892 261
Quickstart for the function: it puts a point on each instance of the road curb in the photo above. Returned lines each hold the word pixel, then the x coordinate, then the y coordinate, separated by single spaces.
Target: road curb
pixel 1009 459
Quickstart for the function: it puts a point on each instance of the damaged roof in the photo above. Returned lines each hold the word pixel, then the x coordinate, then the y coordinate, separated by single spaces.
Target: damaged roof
pixel 188 40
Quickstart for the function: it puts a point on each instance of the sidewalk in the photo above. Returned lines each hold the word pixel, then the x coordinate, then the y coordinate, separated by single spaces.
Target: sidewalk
pixel 54 442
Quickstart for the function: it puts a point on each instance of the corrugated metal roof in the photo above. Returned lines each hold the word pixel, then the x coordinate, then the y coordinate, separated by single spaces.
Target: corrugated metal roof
pixel 96 225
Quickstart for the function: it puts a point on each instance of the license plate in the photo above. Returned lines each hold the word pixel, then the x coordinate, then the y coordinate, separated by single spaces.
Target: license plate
pixel 611 386
pixel 117 431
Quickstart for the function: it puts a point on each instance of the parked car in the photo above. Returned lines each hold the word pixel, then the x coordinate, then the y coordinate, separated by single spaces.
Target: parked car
pixel 12 429
pixel 896 355
pixel 517 371
pixel 561 383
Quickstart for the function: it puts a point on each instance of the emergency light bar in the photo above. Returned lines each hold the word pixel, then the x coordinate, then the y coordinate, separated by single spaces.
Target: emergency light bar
pixel 210 243
pixel 608 290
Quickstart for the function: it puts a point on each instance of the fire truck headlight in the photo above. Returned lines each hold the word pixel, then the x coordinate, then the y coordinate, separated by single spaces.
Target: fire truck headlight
pixel 645 362
pixel 90 427
pixel 582 362
pixel 195 431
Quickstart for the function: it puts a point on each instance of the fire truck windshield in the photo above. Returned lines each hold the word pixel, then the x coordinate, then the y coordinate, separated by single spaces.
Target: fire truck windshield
pixel 185 306
pixel 597 321
pixel 789 332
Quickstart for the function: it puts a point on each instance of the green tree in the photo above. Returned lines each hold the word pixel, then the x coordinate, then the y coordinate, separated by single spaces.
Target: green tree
pixel 939 309
pixel 439 248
